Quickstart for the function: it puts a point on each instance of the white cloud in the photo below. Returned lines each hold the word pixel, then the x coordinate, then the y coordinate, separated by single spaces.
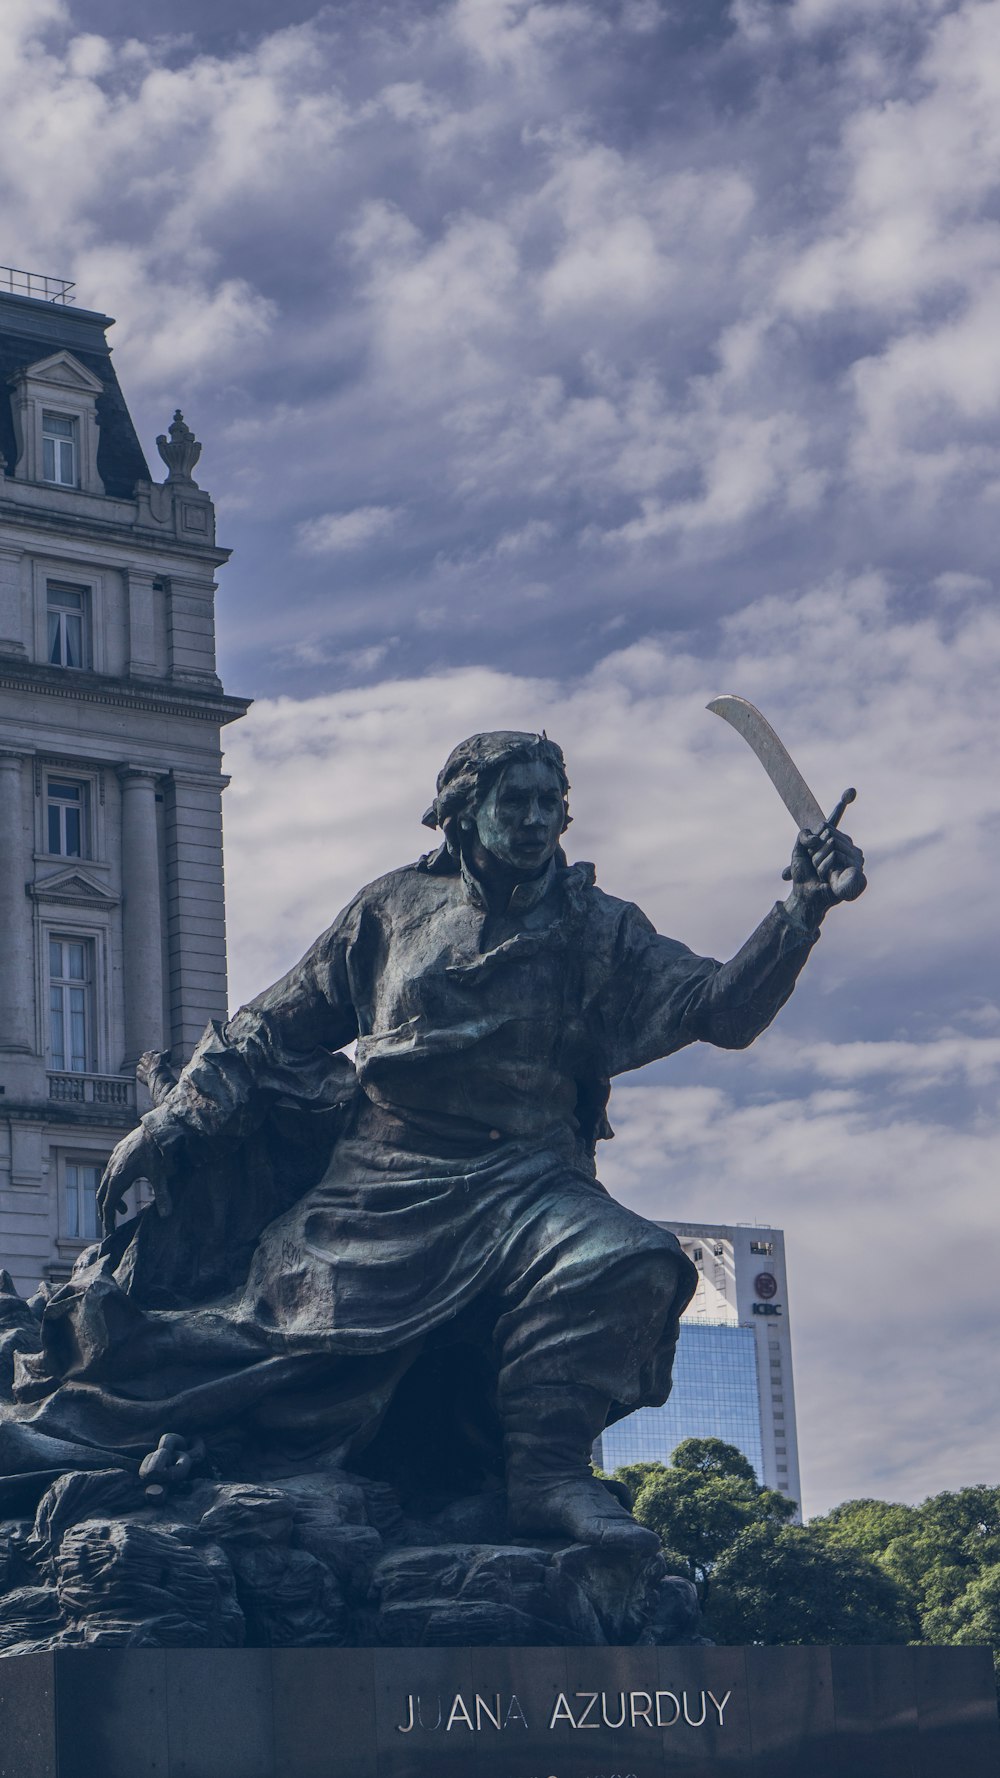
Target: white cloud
pixel 667 797
pixel 911 1067
pixel 89 55
pixel 808 16
pixel 923 401
pixel 920 167
pixel 439 308
pixel 893 1245
pixel 336 531
pixel 473 285
pixel 131 168
pixel 537 534
pixel 642 16
pixel 516 34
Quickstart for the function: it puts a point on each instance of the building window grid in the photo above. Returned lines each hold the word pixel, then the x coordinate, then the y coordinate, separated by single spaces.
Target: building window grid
pixel 59 449
pixel 715 1395
pixel 66 817
pixel 67 626
pixel 71 986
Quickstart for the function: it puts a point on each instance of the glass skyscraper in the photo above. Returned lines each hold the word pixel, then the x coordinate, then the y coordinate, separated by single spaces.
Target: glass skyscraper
pixel 733 1370
pixel 716 1394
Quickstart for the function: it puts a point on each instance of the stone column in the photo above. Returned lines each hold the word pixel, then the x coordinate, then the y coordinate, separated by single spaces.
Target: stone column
pixel 196 914
pixel 142 920
pixel 142 662
pixel 11 619
pixel 16 972
pixel 191 630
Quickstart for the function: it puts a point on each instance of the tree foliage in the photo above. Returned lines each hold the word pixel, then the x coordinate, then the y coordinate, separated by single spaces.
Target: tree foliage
pixel 783 1584
pixel 944 1553
pixel 699 1504
pixel 868 1571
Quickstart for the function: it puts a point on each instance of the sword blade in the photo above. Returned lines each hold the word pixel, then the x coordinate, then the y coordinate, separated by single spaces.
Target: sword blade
pixel 778 763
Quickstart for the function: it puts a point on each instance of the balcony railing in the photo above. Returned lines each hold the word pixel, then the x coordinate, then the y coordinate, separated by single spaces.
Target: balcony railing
pixel 114 1090
pixel 37 284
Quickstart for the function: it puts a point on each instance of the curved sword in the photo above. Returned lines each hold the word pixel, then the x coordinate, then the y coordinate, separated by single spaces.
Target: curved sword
pixel 788 781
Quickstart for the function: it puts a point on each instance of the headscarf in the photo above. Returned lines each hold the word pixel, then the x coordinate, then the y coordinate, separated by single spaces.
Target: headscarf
pixel 475 764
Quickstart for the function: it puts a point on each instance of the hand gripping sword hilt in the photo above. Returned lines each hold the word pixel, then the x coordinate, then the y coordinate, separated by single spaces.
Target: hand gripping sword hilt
pixel 844 885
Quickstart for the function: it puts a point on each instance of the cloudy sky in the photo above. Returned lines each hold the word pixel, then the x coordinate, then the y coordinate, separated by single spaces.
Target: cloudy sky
pixel 564 363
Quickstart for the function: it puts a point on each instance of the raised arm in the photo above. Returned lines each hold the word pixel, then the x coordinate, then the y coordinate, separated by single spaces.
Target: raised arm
pixel 662 996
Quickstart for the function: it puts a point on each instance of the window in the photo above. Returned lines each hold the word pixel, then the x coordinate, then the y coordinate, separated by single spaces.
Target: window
pixel 67 625
pixel 696 1254
pixel 765 1247
pixel 59 449
pixel 80 1182
pixel 71 986
pixel 66 817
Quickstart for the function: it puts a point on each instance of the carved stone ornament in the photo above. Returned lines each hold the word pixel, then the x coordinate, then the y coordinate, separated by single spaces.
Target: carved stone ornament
pixel 180 452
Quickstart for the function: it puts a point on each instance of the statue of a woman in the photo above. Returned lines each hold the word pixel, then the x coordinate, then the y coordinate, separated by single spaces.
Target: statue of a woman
pixel 450 1274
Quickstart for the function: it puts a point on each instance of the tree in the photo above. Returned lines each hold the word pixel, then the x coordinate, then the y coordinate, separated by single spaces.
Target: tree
pixel 866 1525
pixel 712 1457
pixel 783 1584
pixel 868 1571
pixel 973 1616
pixel 945 1553
pixel 700 1503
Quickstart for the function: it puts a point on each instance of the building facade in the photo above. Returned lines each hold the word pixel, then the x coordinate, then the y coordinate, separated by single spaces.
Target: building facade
pixel 112 923
pixel 733 1372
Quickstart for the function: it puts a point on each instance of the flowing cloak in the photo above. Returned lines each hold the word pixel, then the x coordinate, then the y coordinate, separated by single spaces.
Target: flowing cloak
pixel 324 1211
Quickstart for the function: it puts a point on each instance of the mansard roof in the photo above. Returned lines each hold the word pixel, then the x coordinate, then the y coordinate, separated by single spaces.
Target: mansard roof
pixel 30 331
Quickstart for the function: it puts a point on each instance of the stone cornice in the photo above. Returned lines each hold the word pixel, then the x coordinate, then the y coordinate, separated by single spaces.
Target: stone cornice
pixel 157 697
pixel 86 1116
pixel 161 543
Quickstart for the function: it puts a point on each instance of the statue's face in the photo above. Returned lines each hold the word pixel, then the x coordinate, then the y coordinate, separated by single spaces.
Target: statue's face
pixel 520 820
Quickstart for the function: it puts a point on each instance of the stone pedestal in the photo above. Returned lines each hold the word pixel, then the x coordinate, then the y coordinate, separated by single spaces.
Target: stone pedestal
pixel 499 1713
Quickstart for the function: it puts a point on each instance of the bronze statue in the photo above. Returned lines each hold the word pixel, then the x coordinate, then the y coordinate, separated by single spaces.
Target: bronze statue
pixel 397 1266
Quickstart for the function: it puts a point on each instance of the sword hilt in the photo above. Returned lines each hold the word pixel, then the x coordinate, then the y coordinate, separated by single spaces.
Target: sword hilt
pixel 847 884
pixel 834 819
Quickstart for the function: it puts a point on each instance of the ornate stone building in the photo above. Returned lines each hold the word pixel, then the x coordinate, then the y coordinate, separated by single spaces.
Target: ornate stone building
pixel 112 923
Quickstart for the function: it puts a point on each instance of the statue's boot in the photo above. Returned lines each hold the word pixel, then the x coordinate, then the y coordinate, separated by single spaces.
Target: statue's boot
pixel 548 1434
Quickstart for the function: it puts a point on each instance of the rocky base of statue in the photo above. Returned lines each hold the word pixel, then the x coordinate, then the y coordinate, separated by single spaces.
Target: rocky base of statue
pixel 315 1560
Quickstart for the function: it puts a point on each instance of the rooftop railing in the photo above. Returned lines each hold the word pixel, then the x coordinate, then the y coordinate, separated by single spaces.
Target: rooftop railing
pixel 36 284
